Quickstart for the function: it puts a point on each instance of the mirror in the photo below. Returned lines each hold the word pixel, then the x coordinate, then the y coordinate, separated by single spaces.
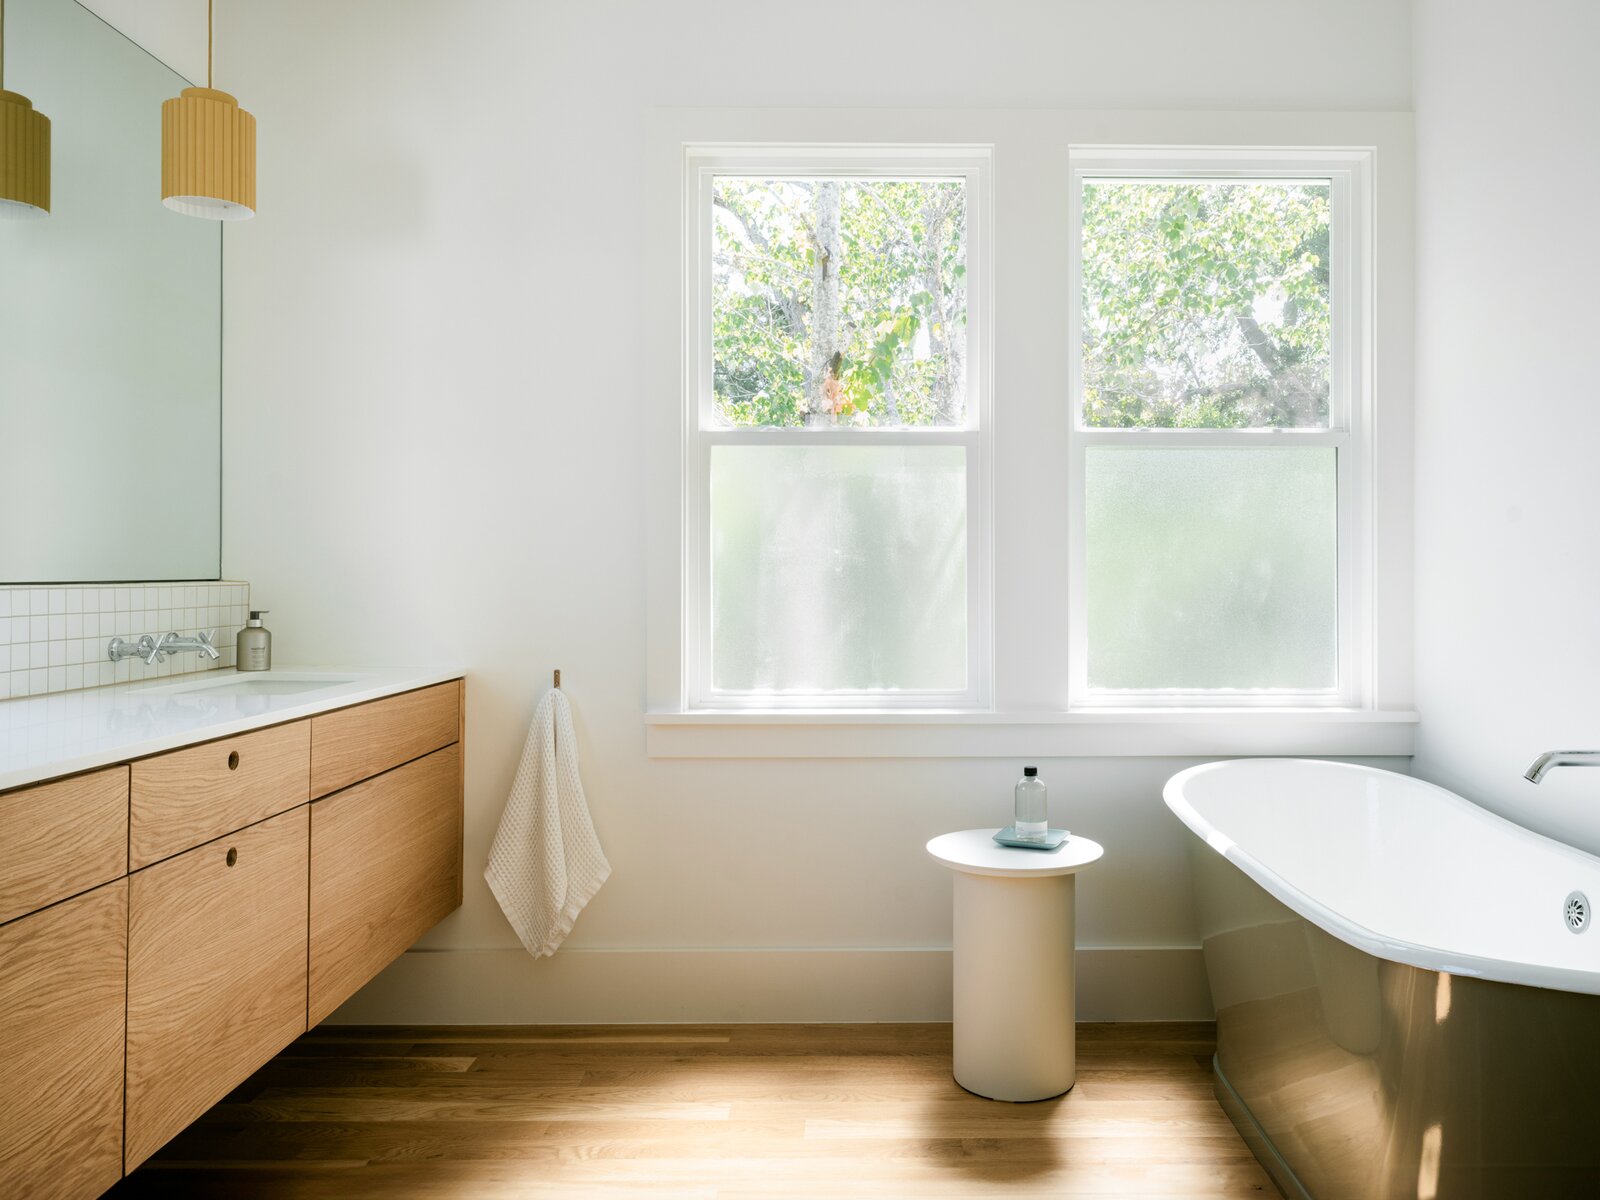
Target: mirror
pixel 110 327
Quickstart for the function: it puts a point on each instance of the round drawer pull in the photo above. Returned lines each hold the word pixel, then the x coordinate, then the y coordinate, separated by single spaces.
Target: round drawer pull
pixel 233 856
pixel 233 761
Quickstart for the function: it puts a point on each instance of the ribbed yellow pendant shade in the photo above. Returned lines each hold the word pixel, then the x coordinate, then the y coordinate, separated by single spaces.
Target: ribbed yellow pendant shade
pixel 24 158
pixel 208 156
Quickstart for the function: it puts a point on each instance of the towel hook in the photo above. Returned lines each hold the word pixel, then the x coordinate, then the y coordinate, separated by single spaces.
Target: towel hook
pixel 558 677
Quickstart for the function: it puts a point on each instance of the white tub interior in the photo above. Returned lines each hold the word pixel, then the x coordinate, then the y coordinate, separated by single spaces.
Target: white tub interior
pixel 1402 869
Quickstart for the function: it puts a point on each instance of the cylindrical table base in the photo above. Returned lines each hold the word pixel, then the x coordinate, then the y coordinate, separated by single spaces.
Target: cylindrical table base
pixel 1014 982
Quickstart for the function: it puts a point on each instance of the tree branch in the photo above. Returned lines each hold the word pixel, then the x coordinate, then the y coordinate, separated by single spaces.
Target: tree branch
pixel 793 309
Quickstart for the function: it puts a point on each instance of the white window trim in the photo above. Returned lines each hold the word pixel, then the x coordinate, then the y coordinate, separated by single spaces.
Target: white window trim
pixel 1022 735
pixel 1350 420
pixel 701 163
pixel 1031 717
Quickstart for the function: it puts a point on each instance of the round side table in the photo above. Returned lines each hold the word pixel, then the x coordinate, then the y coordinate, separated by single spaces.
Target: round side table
pixel 1015 1017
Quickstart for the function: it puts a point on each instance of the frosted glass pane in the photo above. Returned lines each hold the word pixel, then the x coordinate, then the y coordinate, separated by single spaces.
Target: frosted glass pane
pixel 1212 567
pixel 1206 304
pixel 838 568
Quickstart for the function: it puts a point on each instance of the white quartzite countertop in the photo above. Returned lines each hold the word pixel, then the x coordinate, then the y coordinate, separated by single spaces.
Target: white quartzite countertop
pixel 42 737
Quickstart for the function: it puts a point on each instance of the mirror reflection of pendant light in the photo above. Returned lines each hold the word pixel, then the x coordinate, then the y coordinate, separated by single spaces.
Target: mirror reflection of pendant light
pixel 24 149
pixel 208 152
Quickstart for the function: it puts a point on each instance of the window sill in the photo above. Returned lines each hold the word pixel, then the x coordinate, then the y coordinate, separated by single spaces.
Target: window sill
pixel 1100 733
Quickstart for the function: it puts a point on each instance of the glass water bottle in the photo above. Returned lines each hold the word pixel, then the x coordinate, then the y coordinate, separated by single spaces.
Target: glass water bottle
pixel 1033 799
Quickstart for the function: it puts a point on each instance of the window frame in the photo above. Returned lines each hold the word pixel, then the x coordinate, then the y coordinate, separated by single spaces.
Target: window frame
pixel 1350 412
pixel 701 164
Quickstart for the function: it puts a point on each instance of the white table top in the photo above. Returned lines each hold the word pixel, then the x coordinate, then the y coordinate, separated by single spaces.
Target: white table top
pixel 975 852
pixel 42 737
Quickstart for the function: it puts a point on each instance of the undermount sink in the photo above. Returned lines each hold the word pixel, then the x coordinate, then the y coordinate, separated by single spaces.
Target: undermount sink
pixel 270 687
pixel 266 685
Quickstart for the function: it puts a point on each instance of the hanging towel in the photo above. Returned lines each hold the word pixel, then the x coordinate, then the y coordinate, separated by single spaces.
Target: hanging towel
pixel 546 862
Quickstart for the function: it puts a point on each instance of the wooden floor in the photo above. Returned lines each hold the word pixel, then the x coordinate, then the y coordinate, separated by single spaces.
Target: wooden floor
pixel 703 1111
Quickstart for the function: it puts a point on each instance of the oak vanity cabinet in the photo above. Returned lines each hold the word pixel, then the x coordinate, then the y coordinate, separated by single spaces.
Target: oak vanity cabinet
pixel 64 904
pixel 168 925
pixel 385 867
pixel 190 796
pixel 216 973
pixel 386 852
pixel 217 840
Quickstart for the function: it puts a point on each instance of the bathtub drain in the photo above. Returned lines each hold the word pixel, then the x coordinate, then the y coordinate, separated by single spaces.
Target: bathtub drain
pixel 1577 912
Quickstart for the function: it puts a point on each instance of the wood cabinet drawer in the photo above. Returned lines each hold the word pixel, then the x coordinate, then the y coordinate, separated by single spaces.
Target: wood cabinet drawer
pixel 216 973
pixel 357 743
pixel 62 838
pixel 62 977
pixel 385 867
pixel 190 796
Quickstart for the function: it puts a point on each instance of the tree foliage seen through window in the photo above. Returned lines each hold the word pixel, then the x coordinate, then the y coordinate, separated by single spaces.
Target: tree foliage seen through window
pixel 1205 304
pixel 839 301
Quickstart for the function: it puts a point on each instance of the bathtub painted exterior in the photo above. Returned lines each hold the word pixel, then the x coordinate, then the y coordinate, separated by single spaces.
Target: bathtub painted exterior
pixel 1357 1064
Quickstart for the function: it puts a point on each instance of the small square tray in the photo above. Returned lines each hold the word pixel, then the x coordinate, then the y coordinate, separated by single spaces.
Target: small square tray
pixel 1053 839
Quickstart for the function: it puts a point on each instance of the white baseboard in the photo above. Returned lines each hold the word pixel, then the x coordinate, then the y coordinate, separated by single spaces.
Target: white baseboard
pixel 507 987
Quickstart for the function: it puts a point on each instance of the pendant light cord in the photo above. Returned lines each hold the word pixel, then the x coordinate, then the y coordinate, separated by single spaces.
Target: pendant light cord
pixel 209 5
pixel 2 45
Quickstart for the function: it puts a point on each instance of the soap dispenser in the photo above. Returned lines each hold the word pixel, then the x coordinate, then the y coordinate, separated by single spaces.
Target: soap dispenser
pixel 254 644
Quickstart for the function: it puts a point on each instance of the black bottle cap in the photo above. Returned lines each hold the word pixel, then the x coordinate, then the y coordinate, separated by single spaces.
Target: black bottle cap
pixel 1029 772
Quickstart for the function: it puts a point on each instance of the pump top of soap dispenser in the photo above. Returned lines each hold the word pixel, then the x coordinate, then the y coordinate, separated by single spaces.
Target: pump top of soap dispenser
pixel 255 617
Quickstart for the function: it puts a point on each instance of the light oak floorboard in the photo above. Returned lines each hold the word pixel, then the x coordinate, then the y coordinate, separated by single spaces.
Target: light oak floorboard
pixel 703 1112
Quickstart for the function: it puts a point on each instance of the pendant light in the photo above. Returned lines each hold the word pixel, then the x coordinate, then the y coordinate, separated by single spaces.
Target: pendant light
pixel 24 149
pixel 208 152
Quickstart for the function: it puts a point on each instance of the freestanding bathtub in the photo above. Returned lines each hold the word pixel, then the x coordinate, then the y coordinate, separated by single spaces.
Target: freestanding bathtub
pixel 1407 987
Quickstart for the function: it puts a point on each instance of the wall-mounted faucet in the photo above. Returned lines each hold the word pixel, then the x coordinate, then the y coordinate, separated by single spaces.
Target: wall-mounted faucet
pixel 120 649
pixel 158 650
pixel 200 643
pixel 1551 759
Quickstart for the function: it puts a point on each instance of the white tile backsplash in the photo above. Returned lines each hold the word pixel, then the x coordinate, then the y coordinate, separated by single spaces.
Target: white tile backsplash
pixel 55 639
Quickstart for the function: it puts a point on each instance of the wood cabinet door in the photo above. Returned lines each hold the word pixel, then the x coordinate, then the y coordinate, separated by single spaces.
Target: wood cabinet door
pixel 352 744
pixel 385 867
pixel 61 838
pixel 216 973
pixel 185 797
pixel 62 975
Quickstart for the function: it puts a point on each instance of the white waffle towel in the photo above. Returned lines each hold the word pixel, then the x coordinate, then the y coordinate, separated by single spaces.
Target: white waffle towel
pixel 546 862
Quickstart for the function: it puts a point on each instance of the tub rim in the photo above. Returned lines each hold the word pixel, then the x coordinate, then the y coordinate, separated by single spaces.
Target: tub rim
pixel 1429 958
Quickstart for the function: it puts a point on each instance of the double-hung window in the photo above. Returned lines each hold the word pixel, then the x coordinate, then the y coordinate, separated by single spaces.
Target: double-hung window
pixel 1221 390
pixel 837 456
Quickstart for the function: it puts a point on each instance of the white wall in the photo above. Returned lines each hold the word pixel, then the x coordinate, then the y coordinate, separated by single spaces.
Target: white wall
pixel 1508 419
pixel 438 435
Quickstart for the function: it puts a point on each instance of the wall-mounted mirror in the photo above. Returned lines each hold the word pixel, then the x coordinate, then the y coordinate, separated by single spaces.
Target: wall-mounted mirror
pixel 110 327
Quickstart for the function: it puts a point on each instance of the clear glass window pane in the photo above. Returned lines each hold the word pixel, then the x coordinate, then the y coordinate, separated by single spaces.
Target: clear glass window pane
pixel 1206 304
pixel 1212 567
pixel 839 301
pixel 838 568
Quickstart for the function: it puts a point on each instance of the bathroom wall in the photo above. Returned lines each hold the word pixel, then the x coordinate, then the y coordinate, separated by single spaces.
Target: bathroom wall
pixel 1508 478
pixel 440 424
